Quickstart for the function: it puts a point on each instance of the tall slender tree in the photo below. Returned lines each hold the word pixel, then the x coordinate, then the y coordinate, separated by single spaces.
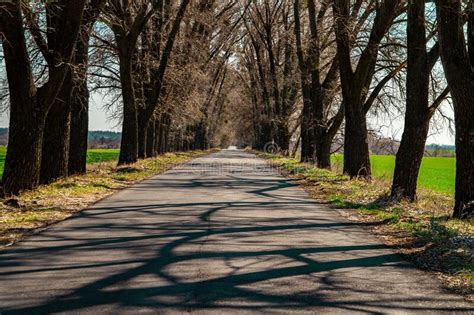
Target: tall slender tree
pixel 80 93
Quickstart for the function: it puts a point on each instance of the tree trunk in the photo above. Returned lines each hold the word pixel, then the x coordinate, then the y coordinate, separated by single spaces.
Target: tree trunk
pixel 129 142
pixel 150 139
pixel 417 116
pixel 409 157
pixel 79 129
pixel 356 146
pixel 158 134
pixel 29 105
pixel 464 115
pixel 80 94
pixel 323 152
pixel 23 160
pixel 460 76
pixel 55 151
pixel 143 125
pixel 356 83
pixel 307 131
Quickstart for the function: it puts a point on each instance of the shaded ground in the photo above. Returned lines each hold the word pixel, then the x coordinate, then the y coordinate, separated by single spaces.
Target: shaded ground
pixel 220 234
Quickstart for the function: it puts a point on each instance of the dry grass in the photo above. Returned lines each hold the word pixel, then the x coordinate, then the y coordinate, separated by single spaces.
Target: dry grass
pixel 422 231
pixel 49 204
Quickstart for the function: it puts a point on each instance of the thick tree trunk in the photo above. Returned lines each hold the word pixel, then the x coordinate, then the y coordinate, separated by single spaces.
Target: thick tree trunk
pixel 460 76
pixel 23 160
pixel 356 82
pixel 79 129
pixel 464 113
pixel 417 116
pixel 284 137
pixel 409 158
pixel 55 151
pixel 324 146
pixel 356 146
pixel 129 142
pixel 323 152
pixel 29 106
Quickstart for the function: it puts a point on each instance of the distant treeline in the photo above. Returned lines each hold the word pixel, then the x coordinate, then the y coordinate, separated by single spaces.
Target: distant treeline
pixel 96 139
pixel 440 150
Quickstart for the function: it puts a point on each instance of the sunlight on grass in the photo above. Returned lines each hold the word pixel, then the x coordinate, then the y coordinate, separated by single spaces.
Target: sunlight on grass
pixel 436 173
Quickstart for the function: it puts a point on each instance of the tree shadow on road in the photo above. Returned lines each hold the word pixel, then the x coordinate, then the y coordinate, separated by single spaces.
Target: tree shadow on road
pixel 144 263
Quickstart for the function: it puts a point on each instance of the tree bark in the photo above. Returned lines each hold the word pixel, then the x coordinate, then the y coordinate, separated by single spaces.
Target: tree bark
pixel 317 130
pixel 308 153
pixel 143 126
pixel 80 94
pixel 356 83
pixel 79 129
pixel 129 141
pixel 146 112
pixel 29 105
pixel 150 139
pixel 418 113
pixel 55 147
pixel 356 145
pixel 460 77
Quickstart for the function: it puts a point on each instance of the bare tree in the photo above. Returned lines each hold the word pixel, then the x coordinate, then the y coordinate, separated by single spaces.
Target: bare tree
pixel 355 83
pixel 127 19
pixel 418 110
pixel 30 104
pixel 319 76
pixel 457 55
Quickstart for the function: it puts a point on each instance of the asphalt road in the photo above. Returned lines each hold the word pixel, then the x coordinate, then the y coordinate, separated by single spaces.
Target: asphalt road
pixel 222 234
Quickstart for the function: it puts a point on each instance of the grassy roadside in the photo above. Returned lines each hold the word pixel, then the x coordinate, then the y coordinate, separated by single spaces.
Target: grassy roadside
pixel 422 231
pixel 52 203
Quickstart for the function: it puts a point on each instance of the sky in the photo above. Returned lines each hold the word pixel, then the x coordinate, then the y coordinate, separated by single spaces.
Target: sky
pixel 99 120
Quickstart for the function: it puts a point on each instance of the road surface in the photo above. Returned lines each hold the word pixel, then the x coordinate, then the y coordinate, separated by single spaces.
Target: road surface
pixel 222 234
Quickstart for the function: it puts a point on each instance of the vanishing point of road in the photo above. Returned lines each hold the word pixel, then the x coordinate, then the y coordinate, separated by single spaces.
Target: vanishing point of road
pixel 221 234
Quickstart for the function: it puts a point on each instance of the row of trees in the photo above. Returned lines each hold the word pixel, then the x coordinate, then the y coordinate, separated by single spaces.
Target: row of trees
pixel 190 74
pixel 161 66
pixel 350 59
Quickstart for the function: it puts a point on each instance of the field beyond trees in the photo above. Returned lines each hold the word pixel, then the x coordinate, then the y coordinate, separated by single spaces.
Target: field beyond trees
pixel 436 173
pixel 93 156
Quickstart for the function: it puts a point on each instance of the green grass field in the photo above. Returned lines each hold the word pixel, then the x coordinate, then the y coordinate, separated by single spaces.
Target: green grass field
pixel 93 156
pixel 102 155
pixel 437 173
